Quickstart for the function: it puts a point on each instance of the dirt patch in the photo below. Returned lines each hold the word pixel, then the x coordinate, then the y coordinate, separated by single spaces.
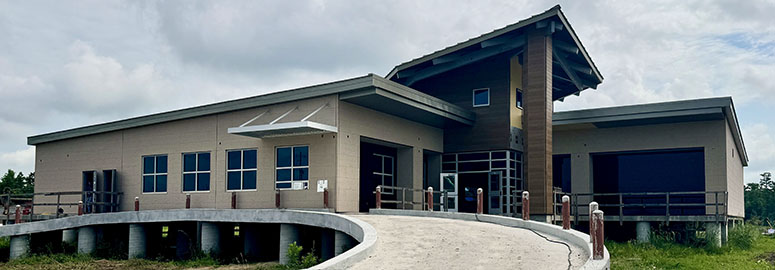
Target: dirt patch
pixel 768 257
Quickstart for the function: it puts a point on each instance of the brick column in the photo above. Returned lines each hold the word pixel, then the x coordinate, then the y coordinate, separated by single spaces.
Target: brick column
pixel 537 85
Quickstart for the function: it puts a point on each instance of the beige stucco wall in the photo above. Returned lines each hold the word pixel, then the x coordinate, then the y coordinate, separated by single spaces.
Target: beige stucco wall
pixel 581 140
pixel 735 178
pixel 356 122
pixel 59 164
pixel 333 156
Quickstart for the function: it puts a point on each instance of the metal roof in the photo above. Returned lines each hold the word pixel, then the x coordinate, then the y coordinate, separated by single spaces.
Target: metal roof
pixel 719 108
pixel 511 39
pixel 420 102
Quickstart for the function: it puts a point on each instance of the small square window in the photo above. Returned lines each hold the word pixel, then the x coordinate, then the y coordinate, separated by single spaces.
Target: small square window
pixel 519 98
pixel 481 97
pixel 196 171
pixel 155 174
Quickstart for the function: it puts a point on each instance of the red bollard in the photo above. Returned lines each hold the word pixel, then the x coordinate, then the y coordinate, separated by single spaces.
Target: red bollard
pixel 137 204
pixel 565 212
pixel 479 201
pixel 277 199
pixel 592 207
pixel 598 246
pixel 188 201
pixel 80 208
pixel 430 199
pixel 325 197
pixel 525 205
pixel 234 200
pixel 379 197
pixel 18 214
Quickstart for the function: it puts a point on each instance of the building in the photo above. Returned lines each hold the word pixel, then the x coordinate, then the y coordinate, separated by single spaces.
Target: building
pixel 479 112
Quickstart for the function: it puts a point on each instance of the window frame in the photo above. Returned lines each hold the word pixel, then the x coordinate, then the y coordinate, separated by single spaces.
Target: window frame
pixel 154 174
pixel 241 170
pixel 520 99
pixel 196 173
pixel 292 167
pixel 382 172
pixel 473 97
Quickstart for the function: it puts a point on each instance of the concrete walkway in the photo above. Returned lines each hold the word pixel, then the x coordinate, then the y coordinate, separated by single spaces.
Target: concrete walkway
pixel 436 243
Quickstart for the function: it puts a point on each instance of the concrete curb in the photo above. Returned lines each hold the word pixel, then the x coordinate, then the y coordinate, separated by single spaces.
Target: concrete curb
pixel 359 230
pixel 573 237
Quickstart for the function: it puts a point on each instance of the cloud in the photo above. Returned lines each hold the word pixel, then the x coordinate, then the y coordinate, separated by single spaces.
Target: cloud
pixel 760 144
pixel 19 161
pixel 62 67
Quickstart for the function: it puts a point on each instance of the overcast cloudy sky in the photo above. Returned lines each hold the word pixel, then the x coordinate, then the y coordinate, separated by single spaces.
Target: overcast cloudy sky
pixel 65 64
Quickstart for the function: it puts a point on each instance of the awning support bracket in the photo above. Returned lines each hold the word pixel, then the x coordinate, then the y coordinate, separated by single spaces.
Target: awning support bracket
pixel 254 118
pixel 284 115
pixel 314 112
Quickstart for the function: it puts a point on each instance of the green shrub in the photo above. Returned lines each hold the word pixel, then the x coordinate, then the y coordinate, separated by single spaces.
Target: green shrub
pixel 298 261
pixel 743 236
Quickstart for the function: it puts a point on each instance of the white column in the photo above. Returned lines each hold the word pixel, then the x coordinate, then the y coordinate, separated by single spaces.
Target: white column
pixel 69 236
pixel 20 246
pixel 713 233
pixel 210 237
pixel 289 233
pixel 87 239
pixel 137 241
pixel 327 244
pixel 342 242
pixel 643 231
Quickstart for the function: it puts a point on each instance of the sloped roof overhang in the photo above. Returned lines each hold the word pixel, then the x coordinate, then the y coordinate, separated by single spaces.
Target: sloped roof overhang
pixel 575 70
pixel 428 109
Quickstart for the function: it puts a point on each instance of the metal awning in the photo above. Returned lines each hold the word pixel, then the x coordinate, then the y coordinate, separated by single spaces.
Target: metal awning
pixel 275 129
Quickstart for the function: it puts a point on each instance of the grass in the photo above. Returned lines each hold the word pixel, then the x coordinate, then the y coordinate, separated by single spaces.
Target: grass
pixel 746 250
pixel 74 261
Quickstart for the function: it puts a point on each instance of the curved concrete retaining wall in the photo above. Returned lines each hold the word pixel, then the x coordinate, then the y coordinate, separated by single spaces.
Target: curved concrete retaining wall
pixel 359 230
pixel 573 237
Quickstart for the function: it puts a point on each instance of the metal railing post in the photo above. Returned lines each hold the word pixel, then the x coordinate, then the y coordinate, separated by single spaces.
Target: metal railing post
pixel 593 206
pixel 479 203
pixel 575 209
pixel 325 198
pixel 234 200
pixel 621 210
pixel 188 201
pixel 598 246
pixel 403 199
pixel 716 193
pixel 565 212
pixel 80 208
pixel 430 199
pixel 137 204
pixel 58 201
pixel 18 218
pixel 525 205
pixel 277 199
pixel 379 197
pixel 667 208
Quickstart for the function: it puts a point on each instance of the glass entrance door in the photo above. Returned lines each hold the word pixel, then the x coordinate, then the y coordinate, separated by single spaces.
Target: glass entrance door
pixel 449 184
pixel 494 192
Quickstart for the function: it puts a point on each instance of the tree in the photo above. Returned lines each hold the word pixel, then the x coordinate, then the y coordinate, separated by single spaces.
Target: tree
pixel 17 183
pixel 760 198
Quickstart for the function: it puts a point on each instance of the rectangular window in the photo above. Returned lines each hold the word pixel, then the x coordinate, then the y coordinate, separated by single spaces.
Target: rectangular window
pixel 384 171
pixel 155 174
pixel 241 169
pixel 292 167
pixel 196 171
pixel 481 97
pixel 519 98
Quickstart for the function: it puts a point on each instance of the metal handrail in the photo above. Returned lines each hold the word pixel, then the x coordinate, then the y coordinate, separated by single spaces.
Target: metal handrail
pixel 29 199
pixel 716 202
pixel 403 202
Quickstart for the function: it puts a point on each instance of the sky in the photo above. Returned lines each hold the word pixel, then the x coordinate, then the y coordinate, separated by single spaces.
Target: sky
pixel 65 64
